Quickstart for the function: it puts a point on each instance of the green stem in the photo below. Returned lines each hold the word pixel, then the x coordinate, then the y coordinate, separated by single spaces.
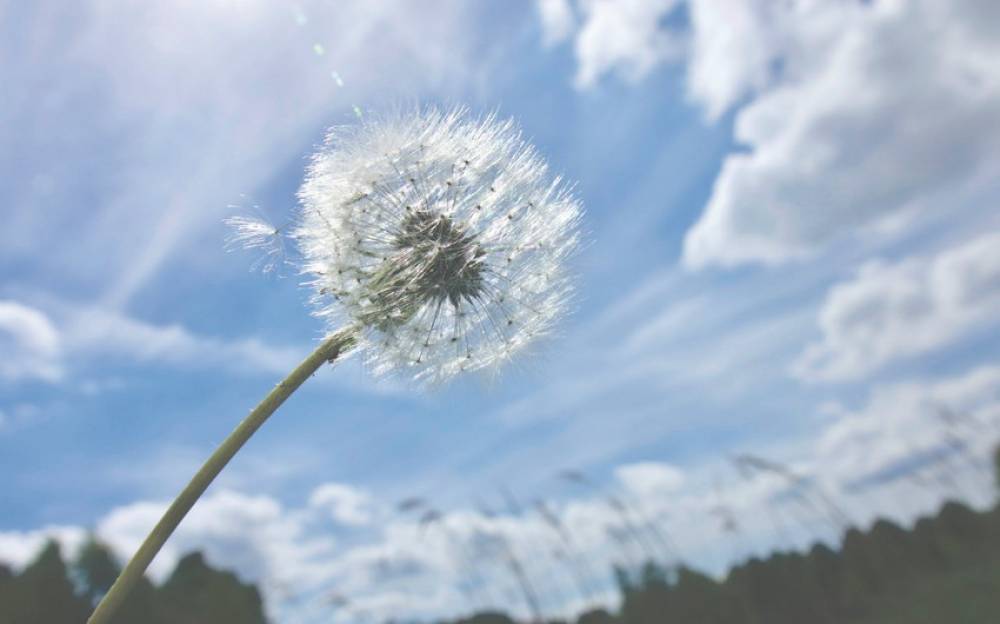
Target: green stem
pixel 328 351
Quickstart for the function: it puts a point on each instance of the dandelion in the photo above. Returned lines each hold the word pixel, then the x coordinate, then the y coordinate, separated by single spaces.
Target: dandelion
pixel 435 243
pixel 441 236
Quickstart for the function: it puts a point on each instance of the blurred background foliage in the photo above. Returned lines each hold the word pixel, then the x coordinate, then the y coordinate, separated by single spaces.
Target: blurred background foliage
pixel 52 591
pixel 945 568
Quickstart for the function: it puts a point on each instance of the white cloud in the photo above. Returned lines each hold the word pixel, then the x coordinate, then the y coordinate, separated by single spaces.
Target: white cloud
pixel 855 116
pixel 733 46
pixel 30 344
pixel 96 332
pixel 881 110
pixel 623 36
pixel 558 21
pixel 19 548
pixel 730 48
pixel 345 504
pixel 892 311
pixel 61 344
pixel 650 479
pixel 461 561
pixel 44 347
pixel 910 420
pixel 255 535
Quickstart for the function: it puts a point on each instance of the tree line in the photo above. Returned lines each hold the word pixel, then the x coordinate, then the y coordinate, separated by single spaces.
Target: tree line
pixel 51 590
pixel 946 568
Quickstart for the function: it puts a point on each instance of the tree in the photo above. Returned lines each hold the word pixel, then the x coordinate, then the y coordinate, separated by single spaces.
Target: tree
pixel 596 616
pixel 43 594
pixel 698 598
pixel 996 465
pixel 487 617
pixel 7 579
pixel 198 594
pixel 97 569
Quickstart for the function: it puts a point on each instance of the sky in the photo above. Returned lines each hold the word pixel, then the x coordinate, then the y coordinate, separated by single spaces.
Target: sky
pixel 792 250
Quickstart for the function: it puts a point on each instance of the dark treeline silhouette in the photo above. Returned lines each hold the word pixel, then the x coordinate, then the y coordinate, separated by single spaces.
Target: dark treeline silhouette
pixel 51 591
pixel 946 565
pixel 945 569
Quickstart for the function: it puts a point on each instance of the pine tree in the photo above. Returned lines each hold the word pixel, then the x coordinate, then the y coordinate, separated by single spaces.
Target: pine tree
pixel 97 569
pixel 43 593
pixel 198 594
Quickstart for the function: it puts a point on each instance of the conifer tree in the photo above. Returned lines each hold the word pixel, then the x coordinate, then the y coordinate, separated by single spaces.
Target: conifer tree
pixel 43 593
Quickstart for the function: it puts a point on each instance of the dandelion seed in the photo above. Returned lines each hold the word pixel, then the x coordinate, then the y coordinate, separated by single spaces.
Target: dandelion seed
pixel 257 235
pixel 444 237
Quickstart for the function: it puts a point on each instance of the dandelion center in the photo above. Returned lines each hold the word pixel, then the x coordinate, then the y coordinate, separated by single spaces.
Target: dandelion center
pixel 433 260
pixel 447 260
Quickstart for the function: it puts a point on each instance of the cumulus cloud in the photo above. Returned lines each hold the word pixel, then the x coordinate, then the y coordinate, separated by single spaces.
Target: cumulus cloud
pixel 897 109
pixel 907 448
pixel 733 47
pixel 853 115
pixel 462 559
pixel 255 535
pixel 618 36
pixel 30 344
pixel 558 21
pixel 729 49
pixel 345 504
pixel 904 424
pixel 890 311
pixel 650 479
pixel 19 548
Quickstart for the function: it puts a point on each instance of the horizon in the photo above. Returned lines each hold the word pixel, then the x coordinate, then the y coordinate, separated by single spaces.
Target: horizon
pixel 792 253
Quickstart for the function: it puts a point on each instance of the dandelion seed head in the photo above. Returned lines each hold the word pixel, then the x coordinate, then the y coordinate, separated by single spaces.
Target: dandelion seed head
pixel 442 235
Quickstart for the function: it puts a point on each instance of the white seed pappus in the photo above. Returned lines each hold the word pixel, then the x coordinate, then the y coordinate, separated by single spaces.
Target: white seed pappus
pixel 441 235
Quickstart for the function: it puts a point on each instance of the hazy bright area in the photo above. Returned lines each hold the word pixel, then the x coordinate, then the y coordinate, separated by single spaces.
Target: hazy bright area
pixel 786 320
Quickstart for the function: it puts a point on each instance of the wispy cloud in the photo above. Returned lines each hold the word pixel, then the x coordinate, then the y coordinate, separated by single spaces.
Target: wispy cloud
pixel 31 344
pixel 892 311
pixel 48 346
pixel 76 348
pixel 96 333
pixel 193 111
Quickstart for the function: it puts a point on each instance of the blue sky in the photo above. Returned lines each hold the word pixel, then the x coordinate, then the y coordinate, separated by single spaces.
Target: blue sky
pixel 792 250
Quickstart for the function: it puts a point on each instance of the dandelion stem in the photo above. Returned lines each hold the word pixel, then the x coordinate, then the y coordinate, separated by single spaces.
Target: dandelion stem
pixel 328 351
